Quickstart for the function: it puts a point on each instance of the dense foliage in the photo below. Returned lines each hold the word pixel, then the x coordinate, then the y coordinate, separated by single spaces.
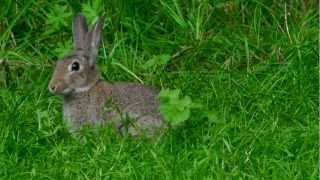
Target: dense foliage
pixel 250 67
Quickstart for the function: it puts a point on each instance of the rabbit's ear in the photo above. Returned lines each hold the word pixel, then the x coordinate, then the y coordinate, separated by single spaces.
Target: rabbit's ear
pixel 93 40
pixel 79 31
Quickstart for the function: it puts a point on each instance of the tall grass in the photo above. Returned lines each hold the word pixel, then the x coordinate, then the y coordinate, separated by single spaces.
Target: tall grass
pixel 252 65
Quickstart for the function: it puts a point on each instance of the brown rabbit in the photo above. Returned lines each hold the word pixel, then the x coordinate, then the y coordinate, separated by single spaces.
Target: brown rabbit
pixel 88 99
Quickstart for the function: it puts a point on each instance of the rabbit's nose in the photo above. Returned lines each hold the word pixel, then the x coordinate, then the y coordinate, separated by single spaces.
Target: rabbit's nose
pixel 52 88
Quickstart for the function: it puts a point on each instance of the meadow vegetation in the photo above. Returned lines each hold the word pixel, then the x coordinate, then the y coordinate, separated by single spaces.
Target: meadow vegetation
pixel 246 72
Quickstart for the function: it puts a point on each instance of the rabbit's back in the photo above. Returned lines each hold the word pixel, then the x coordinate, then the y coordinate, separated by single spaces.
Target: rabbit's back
pixel 136 98
pixel 140 103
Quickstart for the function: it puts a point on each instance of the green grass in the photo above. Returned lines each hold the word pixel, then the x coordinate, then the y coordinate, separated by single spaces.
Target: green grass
pixel 253 67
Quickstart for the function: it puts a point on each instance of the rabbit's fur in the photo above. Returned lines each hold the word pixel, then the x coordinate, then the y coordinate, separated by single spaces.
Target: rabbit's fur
pixel 88 99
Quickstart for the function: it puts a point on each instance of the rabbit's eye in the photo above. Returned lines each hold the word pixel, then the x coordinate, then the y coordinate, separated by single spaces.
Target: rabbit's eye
pixel 75 66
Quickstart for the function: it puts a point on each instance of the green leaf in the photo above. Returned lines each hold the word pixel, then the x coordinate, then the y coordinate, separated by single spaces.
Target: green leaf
pixel 168 111
pixel 164 59
pixel 182 103
pixel 58 17
pixel 174 109
pixel 173 115
pixel 196 105
pixel 170 95
pixel 63 48
pixel 212 116
pixel 92 10
pixel 150 63
pixel 156 61
pixel 181 116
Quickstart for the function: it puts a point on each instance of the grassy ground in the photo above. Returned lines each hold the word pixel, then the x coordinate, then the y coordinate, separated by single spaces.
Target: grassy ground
pixel 251 64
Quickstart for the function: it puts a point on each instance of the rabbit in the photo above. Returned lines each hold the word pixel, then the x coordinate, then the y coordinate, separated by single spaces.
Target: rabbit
pixel 87 99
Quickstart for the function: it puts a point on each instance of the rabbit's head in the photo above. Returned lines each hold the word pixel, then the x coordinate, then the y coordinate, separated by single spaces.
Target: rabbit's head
pixel 77 71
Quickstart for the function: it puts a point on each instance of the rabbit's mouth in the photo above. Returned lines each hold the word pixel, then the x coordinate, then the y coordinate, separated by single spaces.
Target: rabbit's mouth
pixel 66 91
pixel 63 92
pixel 62 89
pixel 59 88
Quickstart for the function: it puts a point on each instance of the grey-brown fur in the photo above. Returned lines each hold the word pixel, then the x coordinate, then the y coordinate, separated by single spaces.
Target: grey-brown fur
pixel 88 99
